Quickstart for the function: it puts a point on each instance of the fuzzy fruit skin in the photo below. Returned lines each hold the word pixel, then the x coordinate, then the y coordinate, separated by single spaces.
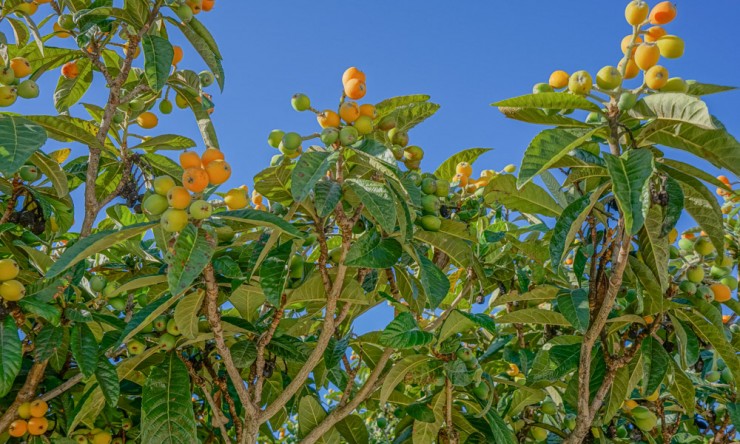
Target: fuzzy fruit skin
pixel 166 342
pixel 165 107
pixel 12 290
pixel 656 77
pixel 398 137
pixel 207 78
pixel 172 328
pixel 348 135
pixel 364 125
pixel 662 13
pixel 328 118
pixel 549 408
pixel 704 246
pixel 159 323
pixel 539 434
pixel 7 76
pixel 236 199
pixel 24 410
pixel 329 136
pixel 349 111
pixel 20 66
pixel 608 77
pixel 38 408
pixel 9 269
pixel 37 426
pixel 541 88
pixel 580 82
pixel 695 274
pixel 18 428
pixel 8 95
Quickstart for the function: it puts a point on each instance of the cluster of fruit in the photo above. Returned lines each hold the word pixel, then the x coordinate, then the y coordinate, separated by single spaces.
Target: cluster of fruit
pixel 170 200
pixel 31 420
pixel 188 8
pixel 731 198
pixel 11 289
pixel 642 417
pixel 163 330
pixel 639 55
pixel 11 85
pixel 99 436
pixel 699 254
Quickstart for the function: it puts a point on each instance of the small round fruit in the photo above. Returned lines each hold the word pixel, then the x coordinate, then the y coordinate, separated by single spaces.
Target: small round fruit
pixel 166 342
pixel 178 198
pixel 482 391
pixel 510 168
pixel 364 125
pixel 206 78
pixel 712 376
pixel 38 425
pixel 722 292
pixel 300 102
pixel 687 287
pixel 431 222
pixel 12 290
pixel 541 88
pixel 275 137
pixel 675 84
pixel 428 185
pixel 211 154
pixel 7 75
pixel 730 282
pixel 328 119
pixel 539 434
pixel 398 137
pixel 291 141
pixel 464 168
pixel 102 437
pixel 66 21
pixel 97 282
pixel 174 220
pixel 352 73
pixel 189 159
pixel 653 33
pixel 349 111
pixel 329 135
pixel 656 77
pixel 236 199
pixel 430 204
pixel 413 153
pixel 695 274
pixel 348 135
pixel 580 82
pixel 21 67
pixel 662 13
pixel 70 70
pixel 559 79
pixel 18 428
pixel 355 89
pixel 181 101
pixel 387 123
pixel 631 70
pixel 201 209
pixel 28 89
pixel 155 204
pixel 218 172
pixel 608 77
pixel 172 328
pixel 9 269
pixel 184 12
pixel 368 110
pixel 176 55
pixel 704 246
pixel 636 12
pixel 159 323
pixel 443 188
pixel 686 244
pixel 647 56
pixel 8 95
pixel 195 179
pixel 165 106
pixel 38 408
pixel 671 46
pixel 147 120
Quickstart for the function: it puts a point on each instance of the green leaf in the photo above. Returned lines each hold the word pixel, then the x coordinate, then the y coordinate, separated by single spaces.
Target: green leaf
pixel 709 333
pixel 630 173
pixel 425 432
pixel 702 206
pixel 569 223
pixel 158 56
pixel 310 414
pixel 327 195
pixel 274 183
pixel 19 139
pixel 625 381
pixel 386 106
pixel 549 100
pixel 69 91
pixel 309 169
pixel 84 348
pixel 542 293
pixel 36 306
pixel 274 272
pixel 446 171
pixel 673 107
pixel 653 295
pixel 334 352
pixel 538 116
pixel 93 244
pixel 243 353
pixel 212 59
pixel 373 251
pixel 655 363
pixel 194 249
pixel 11 354
pixel 682 388
pixel 654 246
pixel 260 219
pixel 703 89
pixel 67 129
pixel 51 169
pixel 107 377
pixel 573 304
pixel 412 114
pixel 353 430
pixel 420 365
pixel 48 341
pixel 186 313
pixel 530 198
pixel 403 332
pixel 674 208
pixel 458 374
pixel 435 283
pixel 533 316
pixel 459 250
pixel 456 322
pixel 166 410
pixel 547 148
pixel 377 200
pixel 693 171
pixel 145 316
pixel 166 142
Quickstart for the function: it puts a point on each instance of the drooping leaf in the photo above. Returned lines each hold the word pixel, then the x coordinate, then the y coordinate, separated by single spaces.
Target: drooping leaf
pixel 446 171
pixel 243 353
pixel 377 200
pixel 84 348
pixel 573 304
pixel 541 117
pixel 531 198
pixel 327 195
pixel 19 139
pixel 547 148
pixel 682 388
pixel 274 272
pixel 311 167
pixel 703 89
pixel 674 208
pixel 654 246
pixel 186 313
pixel 435 283
pixel 310 414
pixel 158 55
pixel 403 332
pixel 166 410
pixel 69 91
pixel 630 173
pixel 373 251
pixel 549 100
pixel 425 431
pixel 709 333
pixel 48 341
pixel 11 354
pixel 194 249
pixel 107 378
pixel 569 223
pixel 353 429
pixel 260 218
pixel 655 363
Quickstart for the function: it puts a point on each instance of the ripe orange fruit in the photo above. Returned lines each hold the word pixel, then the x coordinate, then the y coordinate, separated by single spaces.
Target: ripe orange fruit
pixel 654 33
pixel 355 89
pixel 208 5
pixel 722 292
pixel 210 155
pixel 513 370
pixel 726 318
pixel 177 57
pixel 353 73
pixel 569 261
pixel 631 71
pixel 60 32
pixel 464 168
pixel 636 12
pixel 18 428
pixel 647 55
pixel 461 179
pixel 195 5
pixel 662 13
pixel 147 120
pixel 648 319
pixel 256 198
pixel 178 198
pixel 368 110
pixel 328 119
pixel 349 111
pixel 559 79
pixel 626 43
pixel 38 408
pixel 723 179
pixel 195 179
pixel 218 172
pixel 189 159
pixel 656 77
pixel 20 66
pixel 38 426
pixel 70 70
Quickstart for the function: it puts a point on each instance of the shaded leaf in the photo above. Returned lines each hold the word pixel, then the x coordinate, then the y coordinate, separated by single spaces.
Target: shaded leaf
pixel 403 332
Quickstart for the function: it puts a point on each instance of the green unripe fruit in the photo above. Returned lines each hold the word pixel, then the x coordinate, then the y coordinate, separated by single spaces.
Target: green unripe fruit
pixel 646 424
pixel 155 204
pixel 712 376
pixel 518 425
pixel 675 84
pixel 727 376
pixel 686 245
pixel 381 422
pixel 160 323
pixel 414 177
pixel 641 412
pixel 8 95
pixel 724 261
pixel 413 153
pixel 291 141
pixel 275 137
pixel 482 391
pixel 143 300
pixel 570 421
pixel 110 289
pixel 430 204
pixel 730 281
pixel 97 282
pixel 66 21
pixel 184 13
pixel 608 77
pixel 335 254
pixel 387 123
pixel 28 89
pixel 704 246
pixel 135 347
pixel 549 408
pixel 674 252
pixel 431 222
pixel 580 82
pixel 695 274
pixel 206 78
pixel 300 102
pixel 276 160
pixel 364 125
pixel 719 272
pixel 29 173
pixel 310 240
pixel 163 184
pixel 705 293
pixel 539 434
pixel 201 209
pixel 329 135
pixel 398 137
pixel 358 227
pixel 296 267
pixel 166 342
pixel 687 287
pixel 429 186
pixel 348 135
pixel 443 188
pixel 593 117
pixel 510 168
pixel 7 76
pixel 118 303
pixel 165 106
pixel 464 354
pixel 137 105
pixel 627 101
pixel 541 88
pixel 172 328
pixel 397 151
